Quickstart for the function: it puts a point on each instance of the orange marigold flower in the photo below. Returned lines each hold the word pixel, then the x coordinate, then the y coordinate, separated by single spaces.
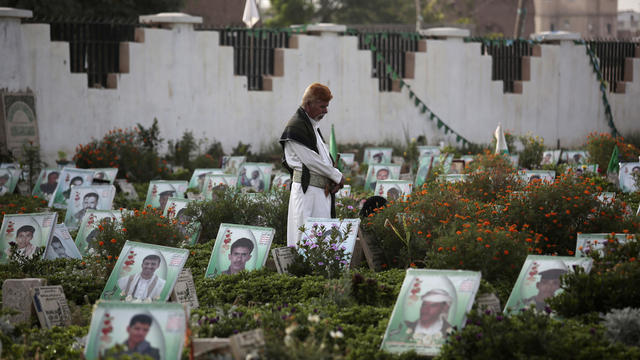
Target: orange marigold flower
pixel 506 252
pixel 113 240
pixel 487 246
pixel 101 243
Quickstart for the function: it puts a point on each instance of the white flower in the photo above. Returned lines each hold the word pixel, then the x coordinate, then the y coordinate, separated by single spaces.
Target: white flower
pixel 313 318
pixel 129 298
pixel 336 334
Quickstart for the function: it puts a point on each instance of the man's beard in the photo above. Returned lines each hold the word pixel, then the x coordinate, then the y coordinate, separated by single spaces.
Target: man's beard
pixel 318 118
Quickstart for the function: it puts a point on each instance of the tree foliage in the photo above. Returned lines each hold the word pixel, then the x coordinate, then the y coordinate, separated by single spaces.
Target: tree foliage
pixel 95 8
pixel 290 12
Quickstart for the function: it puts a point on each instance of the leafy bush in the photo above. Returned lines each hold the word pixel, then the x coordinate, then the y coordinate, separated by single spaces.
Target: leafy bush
pixel 180 150
pixel 623 325
pixel 132 151
pixel 320 252
pixel 600 147
pixel 532 151
pixel 531 335
pixel 18 204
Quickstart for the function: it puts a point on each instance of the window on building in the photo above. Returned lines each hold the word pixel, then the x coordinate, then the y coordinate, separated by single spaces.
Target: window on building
pixel 553 27
pixel 567 25
pixel 609 29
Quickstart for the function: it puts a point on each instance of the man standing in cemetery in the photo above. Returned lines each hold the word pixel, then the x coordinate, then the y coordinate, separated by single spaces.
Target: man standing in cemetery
pixel 146 284
pixel 240 253
pixel 136 343
pixel 307 158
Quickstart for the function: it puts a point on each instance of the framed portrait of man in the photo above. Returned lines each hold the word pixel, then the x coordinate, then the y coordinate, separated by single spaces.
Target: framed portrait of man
pixel 215 182
pixel 348 160
pixel 575 157
pixel 144 272
pixel 430 304
pixel 344 230
pixel 582 169
pixel 537 176
pixel 588 243
pixel 232 164
pixel 377 155
pixel 255 177
pixel 85 198
pixel 155 330
pixel 198 177
pixel 61 245
pixel 238 248
pixel 393 190
pixel 539 279
pixel 428 150
pixel 160 191
pixel 345 192
pixel 627 176
pixel 8 180
pixel 18 121
pixel 176 211
pixel 281 181
pixel 453 178
pixel 606 197
pixel 379 172
pixel 468 159
pixel 27 231
pixel 46 183
pixel 69 177
pixel 89 227
pixel 550 157
pixel 105 175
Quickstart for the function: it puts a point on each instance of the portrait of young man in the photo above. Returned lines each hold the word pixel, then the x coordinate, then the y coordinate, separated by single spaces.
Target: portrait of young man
pixel 240 253
pixel 24 235
pixel 146 284
pixel 89 202
pixel 136 342
pixel 52 181
pixel 547 286
pixel 58 249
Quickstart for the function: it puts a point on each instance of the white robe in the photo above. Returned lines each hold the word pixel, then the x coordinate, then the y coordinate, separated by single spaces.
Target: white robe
pixel 138 288
pixel 313 203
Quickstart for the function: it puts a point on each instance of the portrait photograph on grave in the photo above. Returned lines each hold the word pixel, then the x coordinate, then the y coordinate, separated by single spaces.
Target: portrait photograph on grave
pixel 377 155
pixel 424 168
pixel 18 120
pixel 345 192
pixel 198 177
pixel 238 248
pixel 343 231
pixel 218 182
pixel 575 157
pixel 379 172
pixel 105 175
pixel 127 188
pixel 588 243
pixel 144 272
pixel 539 279
pixel 430 304
pixel 84 198
pixel 428 150
pixel 606 197
pixel 348 160
pixel 255 177
pixel 232 164
pixel 550 157
pixel 457 167
pixel 393 189
pixel 69 177
pixel 533 176
pixel 46 183
pixel 582 169
pixel 8 180
pixel 61 245
pixel 629 177
pixel 89 227
pixel 155 330
pixel 281 181
pixel 27 231
pixel 160 191
pixel 189 228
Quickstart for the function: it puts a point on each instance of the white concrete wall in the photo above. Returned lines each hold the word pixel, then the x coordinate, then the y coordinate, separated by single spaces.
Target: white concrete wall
pixel 185 80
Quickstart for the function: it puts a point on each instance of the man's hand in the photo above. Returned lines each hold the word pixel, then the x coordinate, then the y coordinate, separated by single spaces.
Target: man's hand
pixel 338 186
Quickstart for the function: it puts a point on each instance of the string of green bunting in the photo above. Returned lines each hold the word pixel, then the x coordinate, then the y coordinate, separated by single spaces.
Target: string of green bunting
pixel 593 59
pixel 424 109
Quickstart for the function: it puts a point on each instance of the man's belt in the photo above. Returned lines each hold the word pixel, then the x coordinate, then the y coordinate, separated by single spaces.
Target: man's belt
pixel 315 180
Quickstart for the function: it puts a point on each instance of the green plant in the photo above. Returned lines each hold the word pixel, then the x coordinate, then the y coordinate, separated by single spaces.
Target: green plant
pixel 32 162
pixel 600 147
pixel 320 251
pixel 532 150
pixel 623 325
pixel 180 151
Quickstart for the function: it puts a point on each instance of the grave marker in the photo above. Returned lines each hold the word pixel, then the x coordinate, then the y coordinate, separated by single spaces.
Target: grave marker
pixel 51 306
pixel 184 291
pixel 16 295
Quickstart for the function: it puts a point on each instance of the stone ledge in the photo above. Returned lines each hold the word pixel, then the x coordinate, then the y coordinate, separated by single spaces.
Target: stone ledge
pixel 322 28
pixel 8 12
pixel 445 32
pixel 170 18
pixel 556 36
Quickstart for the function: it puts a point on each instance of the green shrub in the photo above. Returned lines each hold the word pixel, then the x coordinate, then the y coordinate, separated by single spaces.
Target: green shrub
pixel 180 151
pixel 600 147
pixel 532 150
pixel 319 252
pixel 623 325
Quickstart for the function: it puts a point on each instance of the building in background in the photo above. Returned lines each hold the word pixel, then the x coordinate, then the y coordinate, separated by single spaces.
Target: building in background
pixel 493 17
pixel 216 13
pixel 591 18
pixel 628 24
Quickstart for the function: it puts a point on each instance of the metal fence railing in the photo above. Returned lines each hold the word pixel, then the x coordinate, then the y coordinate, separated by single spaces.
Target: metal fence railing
pixel 253 52
pixel 94 46
pixel 393 47
pixel 506 60
pixel 612 55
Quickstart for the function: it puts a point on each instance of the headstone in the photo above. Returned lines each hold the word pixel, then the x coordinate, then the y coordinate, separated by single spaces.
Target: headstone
pixel 372 252
pixel 184 291
pixel 18 121
pixel 283 257
pixel 128 189
pixel 51 306
pixel 212 348
pixel 358 254
pixel 488 302
pixel 16 295
pixel 248 342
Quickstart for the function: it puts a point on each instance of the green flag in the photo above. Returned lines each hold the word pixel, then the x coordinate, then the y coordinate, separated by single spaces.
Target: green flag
pixel 333 148
pixel 614 166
